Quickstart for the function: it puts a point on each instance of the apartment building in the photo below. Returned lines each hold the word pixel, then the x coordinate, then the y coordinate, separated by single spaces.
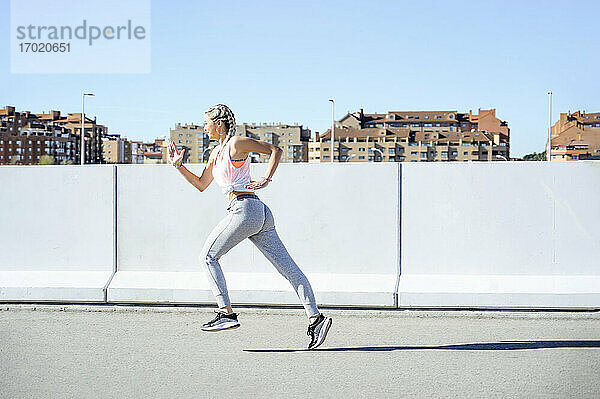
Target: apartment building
pixel 25 137
pixel 292 139
pixel 136 152
pixel 414 136
pixel 194 140
pixel 116 149
pixel 148 152
pixel 576 136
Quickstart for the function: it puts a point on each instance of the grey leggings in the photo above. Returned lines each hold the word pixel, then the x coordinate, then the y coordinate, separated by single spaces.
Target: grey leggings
pixel 248 217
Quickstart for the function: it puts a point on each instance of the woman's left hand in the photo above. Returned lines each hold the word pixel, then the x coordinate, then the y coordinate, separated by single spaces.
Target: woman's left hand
pixel 255 185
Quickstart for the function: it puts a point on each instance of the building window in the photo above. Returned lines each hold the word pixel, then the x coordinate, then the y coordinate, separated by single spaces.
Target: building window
pixel 423 155
pixel 413 153
pixel 326 157
pixel 444 154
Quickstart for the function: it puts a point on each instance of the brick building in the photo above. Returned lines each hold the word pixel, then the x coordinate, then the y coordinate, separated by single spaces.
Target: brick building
pixel 576 136
pixel 25 137
pixel 414 136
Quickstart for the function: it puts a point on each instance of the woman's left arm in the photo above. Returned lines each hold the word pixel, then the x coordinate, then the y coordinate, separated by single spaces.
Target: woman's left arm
pixel 247 144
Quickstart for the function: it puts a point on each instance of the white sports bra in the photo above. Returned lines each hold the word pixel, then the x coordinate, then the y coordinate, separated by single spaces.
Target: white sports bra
pixel 229 177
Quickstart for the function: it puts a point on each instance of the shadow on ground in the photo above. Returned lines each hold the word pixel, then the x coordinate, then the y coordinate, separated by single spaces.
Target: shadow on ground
pixel 484 346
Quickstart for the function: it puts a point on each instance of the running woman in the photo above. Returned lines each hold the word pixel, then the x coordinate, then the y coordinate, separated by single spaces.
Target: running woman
pixel 247 217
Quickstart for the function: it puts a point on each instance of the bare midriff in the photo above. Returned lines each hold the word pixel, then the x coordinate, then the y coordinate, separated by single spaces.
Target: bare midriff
pixel 234 194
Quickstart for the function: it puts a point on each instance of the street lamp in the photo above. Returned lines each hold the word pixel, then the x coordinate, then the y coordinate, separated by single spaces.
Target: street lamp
pixel 83 124
pixel 332 127
pixel 381 152
pixel 350 157
pixel 500 156
pixel 549 149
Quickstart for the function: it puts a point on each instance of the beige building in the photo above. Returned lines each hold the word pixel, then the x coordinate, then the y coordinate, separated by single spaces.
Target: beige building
pixel 194 140
pixel 116 149
pixel 576 136
pixel 292 139
pixel 414 136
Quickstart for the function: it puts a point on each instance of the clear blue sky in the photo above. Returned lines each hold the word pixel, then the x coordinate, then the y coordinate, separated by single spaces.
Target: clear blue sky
pixel 275 61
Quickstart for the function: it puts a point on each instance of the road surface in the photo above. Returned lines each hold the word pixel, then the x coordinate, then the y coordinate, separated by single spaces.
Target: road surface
pixel 90 351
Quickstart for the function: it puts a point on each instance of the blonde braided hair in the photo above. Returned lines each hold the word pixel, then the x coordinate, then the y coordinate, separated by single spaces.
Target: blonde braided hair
pixel 221 112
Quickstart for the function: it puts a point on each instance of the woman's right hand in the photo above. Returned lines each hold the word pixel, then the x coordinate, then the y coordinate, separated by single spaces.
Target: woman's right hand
pixel 175 157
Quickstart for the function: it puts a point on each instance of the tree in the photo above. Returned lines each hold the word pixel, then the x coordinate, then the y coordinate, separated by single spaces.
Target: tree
pixel 13 160
pixel 536 156
pixel 47 160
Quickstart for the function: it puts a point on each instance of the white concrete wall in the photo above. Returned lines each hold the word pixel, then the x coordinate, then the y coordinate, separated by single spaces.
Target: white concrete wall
pixel 516 234
pixel 339 223
pixel 56 232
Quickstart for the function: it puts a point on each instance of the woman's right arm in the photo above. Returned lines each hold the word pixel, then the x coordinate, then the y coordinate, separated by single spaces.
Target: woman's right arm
pixel 202 182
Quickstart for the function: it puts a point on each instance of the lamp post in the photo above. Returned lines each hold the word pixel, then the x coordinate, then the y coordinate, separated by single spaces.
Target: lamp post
pixel 83 124
pixel 332 127
pixel 381 152
pixel 350 157
pixel 549 149
pixel 500 156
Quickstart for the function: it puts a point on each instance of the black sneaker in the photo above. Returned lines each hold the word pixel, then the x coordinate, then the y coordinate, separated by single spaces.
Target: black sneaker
pixel 317 331
pixel 222 321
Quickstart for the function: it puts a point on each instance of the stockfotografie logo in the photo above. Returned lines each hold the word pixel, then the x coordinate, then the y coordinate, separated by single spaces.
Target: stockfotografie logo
pixel 95 37
pixel 89 33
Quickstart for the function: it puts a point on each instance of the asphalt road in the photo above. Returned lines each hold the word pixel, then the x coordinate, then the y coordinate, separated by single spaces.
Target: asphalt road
pixel 145 352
